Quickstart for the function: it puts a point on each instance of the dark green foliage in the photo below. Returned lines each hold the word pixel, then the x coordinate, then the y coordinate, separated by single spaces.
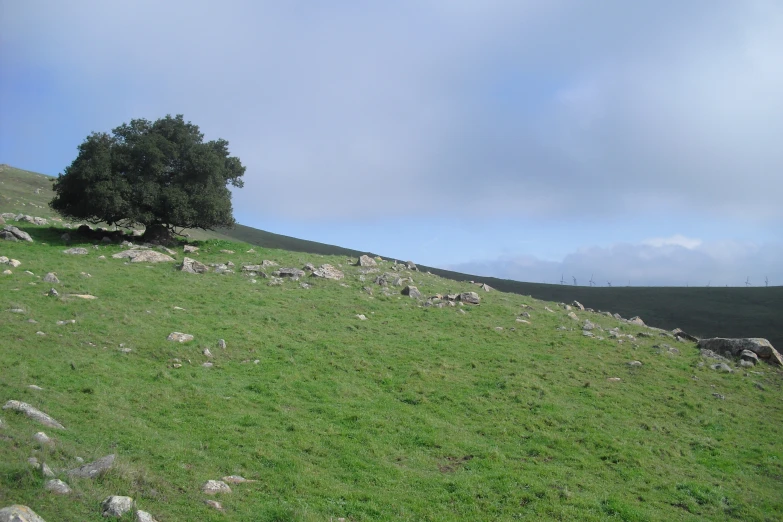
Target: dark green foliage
pixel 150 173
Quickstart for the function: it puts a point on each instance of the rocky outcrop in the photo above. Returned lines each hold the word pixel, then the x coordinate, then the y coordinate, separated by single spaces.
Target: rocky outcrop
pixel 179 337
pixel 33 413
pixel 76 251
pixel 328 272
pixel 192 266
pixel 12 233
pixel 116 506
pixel 289 272
pixel 734 348
pixel 212 487
pixel 684 336
pixel 412 292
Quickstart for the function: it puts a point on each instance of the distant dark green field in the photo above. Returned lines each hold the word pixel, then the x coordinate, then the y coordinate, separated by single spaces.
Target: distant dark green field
pixel 704 312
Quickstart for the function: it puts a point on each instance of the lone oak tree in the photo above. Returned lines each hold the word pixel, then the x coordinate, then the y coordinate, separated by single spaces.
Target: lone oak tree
pixel 161 175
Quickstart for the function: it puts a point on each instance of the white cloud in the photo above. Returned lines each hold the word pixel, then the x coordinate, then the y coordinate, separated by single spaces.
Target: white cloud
pixel 676 240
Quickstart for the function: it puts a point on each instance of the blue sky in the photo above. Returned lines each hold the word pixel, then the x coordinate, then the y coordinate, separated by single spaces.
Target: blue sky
pixel 625 140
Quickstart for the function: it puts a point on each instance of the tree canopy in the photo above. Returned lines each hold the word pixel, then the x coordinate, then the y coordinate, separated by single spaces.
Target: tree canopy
pixel 158 173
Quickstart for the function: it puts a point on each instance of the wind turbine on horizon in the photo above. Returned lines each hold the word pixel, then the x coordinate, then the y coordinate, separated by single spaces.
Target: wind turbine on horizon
pixel 592 283
pixel 747 282
pixel 562 281
pixel 766 281
pixel 574 278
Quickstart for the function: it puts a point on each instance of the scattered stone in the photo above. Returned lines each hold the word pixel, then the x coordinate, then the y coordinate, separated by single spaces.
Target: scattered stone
pixel 520 320
pixel 366 261
pixel 469 297
pixel 143 516
pixel 251 251
pixel 57 486
pixel 214 504
pixel 486 287
pixel 46 471
pixel 53 292
pixel 137 255
pixel 367 290
pixel 749 356
pixel 93 469
pixel 634 363
pixel 588 325
pixel 327 272
pixel 16 311
pixel 734 347
pixel 179 337
pixel 719 396
pixel 33 413
pixel 35 387
pixel 613 379
pixel 588 333
pixel 206 352
pixel 192 266
pixel 304 285
pixel 226 251
pixel 116 506
pixel 236 479
pixel 498 328
pixel 289 272
pixel 267 264
pixel 361 317
pixel 19 513
pixel 759 386
pixel 76 251
pixel 221 344
pixel 15 234
pixel 7 272
pixel 189 249
pixel 51 277
pixel 207 364
pixel 722 367
pixel 67 321
pixel 411 266
pixel 573 316
pixel 412 292
pixel 81 296
pixel 549 309
pixel 578 305
pixel 637 321
pixel 212 487
pixel 42 438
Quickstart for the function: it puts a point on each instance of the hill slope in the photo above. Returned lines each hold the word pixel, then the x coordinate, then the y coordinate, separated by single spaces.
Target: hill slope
pixel 414 413
pixel 725 312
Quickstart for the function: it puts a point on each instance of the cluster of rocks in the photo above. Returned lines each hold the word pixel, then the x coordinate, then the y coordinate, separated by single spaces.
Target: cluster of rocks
pixel 11 233
pixel 747 351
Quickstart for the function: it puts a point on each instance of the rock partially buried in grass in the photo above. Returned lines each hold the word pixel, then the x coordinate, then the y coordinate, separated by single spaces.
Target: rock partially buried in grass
pixel 51 277
pixel 192 266
pixel 16 233
pixel 236 479
pixel 327 271
pixel 42 438
pixel 613 379
pixel 214 504
pixel 143 516
pixel 93 469
pixel 143 256
pixel 469 297
pixel 734 347
pixel 116 506
pixel 33 413
pixel 634 363
pixel 57 486
pixel 76 251
pixel 213 487
pixel 412 292
pixel 366 261
pixel 18 513
pixel 179 337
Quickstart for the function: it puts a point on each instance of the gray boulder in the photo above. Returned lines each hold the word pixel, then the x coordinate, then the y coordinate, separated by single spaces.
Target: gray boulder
pixel 412 292
pixel 734 348
pixel 469 297
pixel 143 516
pixel 93 469
pixel 57 486
pixel 722 367
pixel 328 272
pixel 51 277
pixel 179 337
pixel 684 336
pixel 138 255
pixel 189 249
pixel 289 272
pixel 18 513
pixel 212 487
pixel 577 304
pixel 33 413
pixel 748 356
pixel 411 266
pixel 637 321
pixel 192 266
pixel 18 234
pixel 366 261
pixel 116 506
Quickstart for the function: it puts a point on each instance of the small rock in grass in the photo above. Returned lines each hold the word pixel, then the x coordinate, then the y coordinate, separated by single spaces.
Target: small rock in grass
pixel 35 387
pixel 51 277
pixel 221 344
pixel 46 471
pixel 179 337
pixel 361 317
pixel 69 321
pixel 613 379
pixel 212 487
pixel 42 438
pixel 53 293
pixel 143 516
pixel 76 251
pixel 635 363
pixel 236 479
pixel 19 513
pixel 116 506
pixel 214 504
pixel 722 367
pixel 719 396
pixel 93 469
pixel 207 364
pixel 57 486
pixel 33 413
pixel 207 353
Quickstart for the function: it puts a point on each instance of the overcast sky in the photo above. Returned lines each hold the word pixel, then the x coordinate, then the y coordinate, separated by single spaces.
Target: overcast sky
pixel 628 141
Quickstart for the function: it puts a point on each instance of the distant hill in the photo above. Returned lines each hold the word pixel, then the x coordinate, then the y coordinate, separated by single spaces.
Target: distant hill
pixel 705 312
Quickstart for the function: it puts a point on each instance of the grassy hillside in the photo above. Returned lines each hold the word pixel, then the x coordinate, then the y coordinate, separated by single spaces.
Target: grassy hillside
pixel 727 312
pixel 416 413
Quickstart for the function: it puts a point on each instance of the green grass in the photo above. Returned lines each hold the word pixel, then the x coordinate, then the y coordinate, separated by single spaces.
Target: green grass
pixel 414 414
pixel 705 312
